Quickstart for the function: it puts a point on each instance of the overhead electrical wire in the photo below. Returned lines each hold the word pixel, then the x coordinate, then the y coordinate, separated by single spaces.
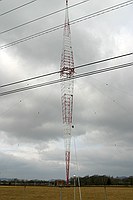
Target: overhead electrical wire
pixel 90 73
pixel 77 67
pixel 47 15
pixel 42 17
pixel 103 11
pixel 16 8
pixel 38 34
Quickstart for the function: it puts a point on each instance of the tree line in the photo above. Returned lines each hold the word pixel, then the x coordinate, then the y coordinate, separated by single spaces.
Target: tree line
pixel 95 180
pixel 103 180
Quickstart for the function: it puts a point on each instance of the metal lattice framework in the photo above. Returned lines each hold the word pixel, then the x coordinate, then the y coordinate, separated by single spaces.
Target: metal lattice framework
pixel 67 71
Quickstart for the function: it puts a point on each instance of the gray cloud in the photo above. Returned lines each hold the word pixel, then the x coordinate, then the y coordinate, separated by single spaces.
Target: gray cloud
pixel 30 122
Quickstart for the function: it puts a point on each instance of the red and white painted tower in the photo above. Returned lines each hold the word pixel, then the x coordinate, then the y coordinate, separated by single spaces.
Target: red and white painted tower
pixel 67 72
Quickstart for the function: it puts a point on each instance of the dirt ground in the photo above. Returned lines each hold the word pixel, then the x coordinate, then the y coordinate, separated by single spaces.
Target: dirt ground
pixel 65 193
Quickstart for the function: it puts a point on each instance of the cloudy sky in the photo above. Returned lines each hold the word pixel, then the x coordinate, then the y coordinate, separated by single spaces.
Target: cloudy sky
pixel 31 132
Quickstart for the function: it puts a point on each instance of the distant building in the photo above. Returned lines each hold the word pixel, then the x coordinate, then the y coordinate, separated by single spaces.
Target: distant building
pixel 60 183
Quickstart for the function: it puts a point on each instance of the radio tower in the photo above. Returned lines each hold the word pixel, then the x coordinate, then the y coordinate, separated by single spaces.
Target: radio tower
pixel 67 72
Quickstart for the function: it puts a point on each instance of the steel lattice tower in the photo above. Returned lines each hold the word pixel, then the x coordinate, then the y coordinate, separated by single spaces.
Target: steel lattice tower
pixel 67 72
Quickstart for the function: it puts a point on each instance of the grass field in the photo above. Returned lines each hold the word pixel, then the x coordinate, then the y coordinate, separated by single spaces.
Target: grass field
pixel 56 193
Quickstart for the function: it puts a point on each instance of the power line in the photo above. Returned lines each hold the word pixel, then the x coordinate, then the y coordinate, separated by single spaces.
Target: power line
pixel 104 60
pixel 104 11
pixel 55 72
pixel 38 34
pixel 42 17
pixel 125 65
pixel 29 79
pixel 16 8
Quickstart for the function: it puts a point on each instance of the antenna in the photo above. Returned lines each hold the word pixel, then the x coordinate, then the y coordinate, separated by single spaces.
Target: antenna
pixel 67 71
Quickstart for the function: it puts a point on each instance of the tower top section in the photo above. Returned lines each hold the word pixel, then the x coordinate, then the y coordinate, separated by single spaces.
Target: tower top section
pixel 67 62
pixel 67 16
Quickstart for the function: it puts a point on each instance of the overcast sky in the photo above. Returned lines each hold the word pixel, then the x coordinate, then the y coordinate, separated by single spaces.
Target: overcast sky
pixel 31 131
